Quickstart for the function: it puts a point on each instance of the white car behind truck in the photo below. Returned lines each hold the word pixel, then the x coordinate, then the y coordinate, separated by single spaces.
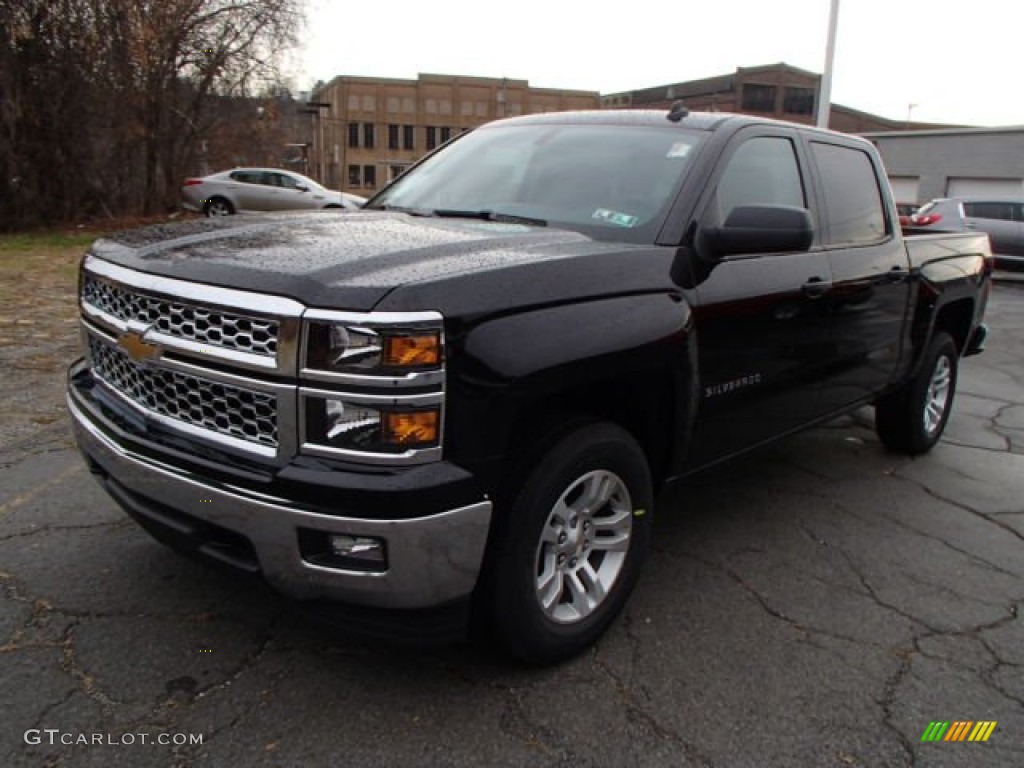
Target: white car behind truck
pixel 261 189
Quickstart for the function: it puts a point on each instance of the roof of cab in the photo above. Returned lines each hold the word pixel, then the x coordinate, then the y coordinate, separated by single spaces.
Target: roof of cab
pixel 701 121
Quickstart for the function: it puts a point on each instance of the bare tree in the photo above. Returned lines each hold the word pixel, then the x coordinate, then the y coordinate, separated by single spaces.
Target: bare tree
pixel 105 103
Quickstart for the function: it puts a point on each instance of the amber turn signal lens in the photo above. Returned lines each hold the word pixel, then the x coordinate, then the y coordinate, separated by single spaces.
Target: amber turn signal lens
pixel 412 350
pixel 410 428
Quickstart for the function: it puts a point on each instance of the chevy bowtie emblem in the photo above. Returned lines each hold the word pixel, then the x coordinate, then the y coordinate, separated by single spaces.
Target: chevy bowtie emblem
pixel 137 349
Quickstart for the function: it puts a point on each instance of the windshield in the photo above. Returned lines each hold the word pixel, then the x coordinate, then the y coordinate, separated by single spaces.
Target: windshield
pixel 609 181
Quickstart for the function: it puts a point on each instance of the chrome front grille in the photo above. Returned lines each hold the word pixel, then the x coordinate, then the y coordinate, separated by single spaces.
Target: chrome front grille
pixel 203 325
pixel 227 367
pixel 228 410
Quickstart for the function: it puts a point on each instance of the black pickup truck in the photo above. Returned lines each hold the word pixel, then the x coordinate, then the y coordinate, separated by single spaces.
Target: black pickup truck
pixel 460 402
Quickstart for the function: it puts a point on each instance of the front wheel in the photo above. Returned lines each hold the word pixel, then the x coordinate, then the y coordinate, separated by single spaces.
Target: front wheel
pixel 912 419
pixel 571 549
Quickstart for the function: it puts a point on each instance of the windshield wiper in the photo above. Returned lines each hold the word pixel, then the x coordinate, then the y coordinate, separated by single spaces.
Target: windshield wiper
pixel 507 218
pixel 399 208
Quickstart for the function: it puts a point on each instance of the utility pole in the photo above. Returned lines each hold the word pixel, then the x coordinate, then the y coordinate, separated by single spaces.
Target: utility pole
pixel 825 97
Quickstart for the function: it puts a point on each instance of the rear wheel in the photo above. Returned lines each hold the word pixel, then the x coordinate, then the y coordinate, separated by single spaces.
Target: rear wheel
pixel 912 419
pixel 218 206
pixel 572 545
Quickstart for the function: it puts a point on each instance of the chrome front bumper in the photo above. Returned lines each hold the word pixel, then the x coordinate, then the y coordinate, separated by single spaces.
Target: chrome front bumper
pixel 431 560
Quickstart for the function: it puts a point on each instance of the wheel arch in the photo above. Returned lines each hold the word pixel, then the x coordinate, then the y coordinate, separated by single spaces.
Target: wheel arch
pixel 956 318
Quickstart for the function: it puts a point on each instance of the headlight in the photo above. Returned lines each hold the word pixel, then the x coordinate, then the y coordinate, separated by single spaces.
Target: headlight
pixel 372 386
pixel 345 348
pixel 334 422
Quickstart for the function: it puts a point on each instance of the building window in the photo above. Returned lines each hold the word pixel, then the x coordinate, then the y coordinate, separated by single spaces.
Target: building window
pixel 368 135
pixel 396 171
pixel 409 105
pixel 393 104
pixel 798 101
pixel 430 106
pixel 466 109
pixel 481 109
pixel 369 103
pixel 759 98
pixel 446 133
pixel 370 175
pixel 431 137
pixel 353 134
pixel 515 108
pixel 353 175
pixel 408 137
pixel 353 102
pixel 392 137
pixel 446 106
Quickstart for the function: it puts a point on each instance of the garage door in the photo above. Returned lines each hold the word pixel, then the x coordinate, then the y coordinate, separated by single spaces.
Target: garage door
pixel 967 187
pixel 904 188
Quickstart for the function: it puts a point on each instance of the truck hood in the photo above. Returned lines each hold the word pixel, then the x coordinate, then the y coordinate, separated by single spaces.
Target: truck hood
pixel 345 260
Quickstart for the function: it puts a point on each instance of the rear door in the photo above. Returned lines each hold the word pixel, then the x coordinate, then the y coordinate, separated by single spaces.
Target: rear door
pixel 870 272
pixel 250 190
pixel 1001 220
pixel 761 320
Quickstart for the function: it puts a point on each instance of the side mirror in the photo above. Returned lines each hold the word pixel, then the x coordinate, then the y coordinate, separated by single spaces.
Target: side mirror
pixel 762 229
pixel 302 187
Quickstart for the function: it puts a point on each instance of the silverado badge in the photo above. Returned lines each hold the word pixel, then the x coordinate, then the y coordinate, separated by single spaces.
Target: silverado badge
pixel 137 348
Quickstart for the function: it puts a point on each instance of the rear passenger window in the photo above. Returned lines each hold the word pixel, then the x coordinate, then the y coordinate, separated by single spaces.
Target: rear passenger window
pixel 1001 211
pixel 248 177
pixel 763 171
pixel 853 201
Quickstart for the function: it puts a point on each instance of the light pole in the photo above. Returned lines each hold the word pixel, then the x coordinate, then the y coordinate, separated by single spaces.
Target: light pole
pixel 825 97
pixel 910 111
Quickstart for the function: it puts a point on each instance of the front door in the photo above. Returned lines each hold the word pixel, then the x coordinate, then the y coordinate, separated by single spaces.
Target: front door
pixel 762 324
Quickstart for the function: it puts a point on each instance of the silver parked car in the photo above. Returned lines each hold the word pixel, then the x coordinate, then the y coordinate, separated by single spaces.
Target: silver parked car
pixel 260 189
pixel 1001 217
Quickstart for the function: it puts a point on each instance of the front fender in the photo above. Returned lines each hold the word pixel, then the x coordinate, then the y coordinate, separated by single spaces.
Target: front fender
pixel 628 357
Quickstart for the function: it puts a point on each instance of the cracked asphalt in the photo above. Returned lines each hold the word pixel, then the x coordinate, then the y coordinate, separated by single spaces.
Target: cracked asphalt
pixel 817 603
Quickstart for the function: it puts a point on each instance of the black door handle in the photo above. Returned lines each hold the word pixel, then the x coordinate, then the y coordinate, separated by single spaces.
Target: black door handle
pixel 816 287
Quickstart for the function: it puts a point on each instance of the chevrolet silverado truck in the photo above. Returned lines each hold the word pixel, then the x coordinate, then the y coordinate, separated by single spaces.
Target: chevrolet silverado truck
pixel 455 407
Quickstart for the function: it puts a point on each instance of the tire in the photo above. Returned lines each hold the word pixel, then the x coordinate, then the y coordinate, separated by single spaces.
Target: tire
pixel 912 419
pixel 575 538
pixel 218 206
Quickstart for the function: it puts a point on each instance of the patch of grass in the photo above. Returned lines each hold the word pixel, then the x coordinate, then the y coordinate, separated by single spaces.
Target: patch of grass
pixel 33 241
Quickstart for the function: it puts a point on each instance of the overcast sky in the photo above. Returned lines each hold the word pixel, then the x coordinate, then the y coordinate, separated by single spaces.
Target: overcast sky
pixel 957 63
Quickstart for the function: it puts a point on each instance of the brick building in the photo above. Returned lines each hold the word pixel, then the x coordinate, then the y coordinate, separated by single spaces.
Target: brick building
pixel 367 130
pixel 778 91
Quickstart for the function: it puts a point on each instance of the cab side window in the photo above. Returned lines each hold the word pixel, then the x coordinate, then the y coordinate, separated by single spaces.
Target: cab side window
pixel 853 201
pixel 247 177
pixel 283 180
pixel 1001 211
pixel 763 171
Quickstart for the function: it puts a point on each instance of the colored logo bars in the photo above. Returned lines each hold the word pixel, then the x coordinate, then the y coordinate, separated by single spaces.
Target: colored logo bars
pixel 960 730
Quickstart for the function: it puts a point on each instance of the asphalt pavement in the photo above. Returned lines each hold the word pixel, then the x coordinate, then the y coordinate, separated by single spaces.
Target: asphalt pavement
pixel 818 603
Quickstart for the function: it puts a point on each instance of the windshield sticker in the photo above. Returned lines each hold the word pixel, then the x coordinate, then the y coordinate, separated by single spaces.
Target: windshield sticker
pixel 679 149
pixel 614 217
